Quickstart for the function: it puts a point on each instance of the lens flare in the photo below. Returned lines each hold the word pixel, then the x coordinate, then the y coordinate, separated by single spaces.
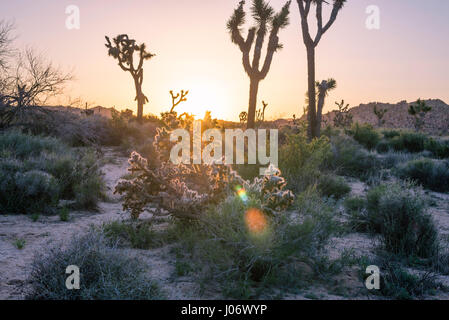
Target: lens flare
pixel 255 220
pixel 241 192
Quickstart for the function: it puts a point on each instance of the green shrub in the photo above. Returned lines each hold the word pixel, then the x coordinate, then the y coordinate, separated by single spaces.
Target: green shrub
pixel 105 273
pixel 397 212
pixel 245 254
pixel 416 142
pixel 365 134
pixel 36 172
pixel 64 214
pixel 432 174
pixel 139 235
pixel 301 161
pixel 389 134
pixel 333 186
pixel 409 141
pixel 349 158
pixel 19 243
pixel 383 147
pixel 27 192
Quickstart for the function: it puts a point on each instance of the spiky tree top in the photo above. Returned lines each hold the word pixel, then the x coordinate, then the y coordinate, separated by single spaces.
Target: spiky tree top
pixel 123 50
pixel 266 22
pixel 304 9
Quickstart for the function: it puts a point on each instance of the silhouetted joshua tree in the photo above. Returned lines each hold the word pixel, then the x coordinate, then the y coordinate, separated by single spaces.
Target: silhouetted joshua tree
pixel 380 113
pixel 419 112
pixel 179 98
pixel 266 21
pixel 311 43
pixel 342 118
pixel 123 49
pixel 323 89
pixel 260 116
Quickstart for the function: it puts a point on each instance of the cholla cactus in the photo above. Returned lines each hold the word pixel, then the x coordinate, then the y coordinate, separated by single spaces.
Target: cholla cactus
pixel 184 191
pixel 271 187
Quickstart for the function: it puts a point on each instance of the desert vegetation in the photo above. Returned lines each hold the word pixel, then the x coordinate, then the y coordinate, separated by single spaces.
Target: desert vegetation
pixel 344 196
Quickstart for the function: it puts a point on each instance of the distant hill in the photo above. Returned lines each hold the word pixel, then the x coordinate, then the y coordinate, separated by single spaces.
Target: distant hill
pixel 397 117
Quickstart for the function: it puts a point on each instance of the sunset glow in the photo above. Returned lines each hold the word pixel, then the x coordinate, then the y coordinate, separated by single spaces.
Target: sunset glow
pixel 194 52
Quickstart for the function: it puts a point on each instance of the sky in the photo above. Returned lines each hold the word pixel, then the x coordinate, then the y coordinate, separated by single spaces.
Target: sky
pixel 405 59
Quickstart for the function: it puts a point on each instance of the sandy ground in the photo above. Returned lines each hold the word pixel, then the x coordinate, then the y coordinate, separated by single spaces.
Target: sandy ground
pixel 49 230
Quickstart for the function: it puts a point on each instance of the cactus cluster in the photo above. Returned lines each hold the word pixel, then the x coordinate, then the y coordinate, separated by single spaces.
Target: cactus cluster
pixel 184 191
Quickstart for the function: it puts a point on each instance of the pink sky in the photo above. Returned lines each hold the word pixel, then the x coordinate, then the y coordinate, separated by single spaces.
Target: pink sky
pixel 406 59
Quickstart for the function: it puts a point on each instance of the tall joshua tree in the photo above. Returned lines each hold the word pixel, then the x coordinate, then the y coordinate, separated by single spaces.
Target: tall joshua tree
pixel 311 43
pixel 123 49
pixel 266 22
pixel 323 89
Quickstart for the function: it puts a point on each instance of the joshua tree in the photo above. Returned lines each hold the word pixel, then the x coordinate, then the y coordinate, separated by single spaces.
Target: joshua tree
pixel 266 21
pixel 311 44
pixel 342 116
pixel 261 112
pixel 419 112
pixel 380 113
pixel 123 49
pixel 177 97
pixel 323 89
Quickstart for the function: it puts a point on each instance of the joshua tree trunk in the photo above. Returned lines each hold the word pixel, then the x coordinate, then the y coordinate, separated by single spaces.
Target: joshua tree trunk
pixel 140 97
pixel 253 89
pixel 311 43
pixel 311 111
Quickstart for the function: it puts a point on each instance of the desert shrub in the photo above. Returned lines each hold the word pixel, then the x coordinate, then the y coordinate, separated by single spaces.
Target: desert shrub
pixel 333 186
pixel 432 174
pixel 36 172
pixel 349 158
pixel 409 141
pixel 138 235
pixel 105 272
pixel 398 283
pixel 440 149
pixel 383 146
pixel 301 161
pixel 354 204
pixel 365 134
pixel 392 159
pixel 417 142
pixel 244 249
pixel 389 134
pixel 397 212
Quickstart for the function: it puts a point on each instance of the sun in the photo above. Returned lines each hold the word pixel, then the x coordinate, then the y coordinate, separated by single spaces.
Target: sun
pixel 205 96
